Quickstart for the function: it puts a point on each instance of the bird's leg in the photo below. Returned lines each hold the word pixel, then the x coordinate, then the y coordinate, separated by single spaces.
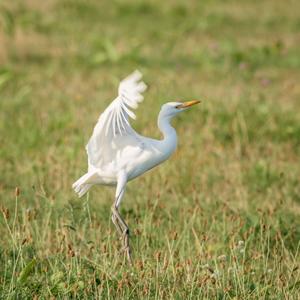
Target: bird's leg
pixel 117 225
pixel 124 231
pixel 119 222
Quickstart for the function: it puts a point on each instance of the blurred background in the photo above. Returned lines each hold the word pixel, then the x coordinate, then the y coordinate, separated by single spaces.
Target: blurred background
pixel 238 153
pixel 61 62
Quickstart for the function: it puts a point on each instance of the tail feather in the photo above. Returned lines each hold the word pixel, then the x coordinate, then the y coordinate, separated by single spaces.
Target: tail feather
pixel 82 185
pixel 83 189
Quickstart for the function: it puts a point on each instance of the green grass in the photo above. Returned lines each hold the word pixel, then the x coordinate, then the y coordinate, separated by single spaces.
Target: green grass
pixel 221 219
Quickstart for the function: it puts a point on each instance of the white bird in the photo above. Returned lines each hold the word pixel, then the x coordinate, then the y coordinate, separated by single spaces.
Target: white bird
pixel 118 154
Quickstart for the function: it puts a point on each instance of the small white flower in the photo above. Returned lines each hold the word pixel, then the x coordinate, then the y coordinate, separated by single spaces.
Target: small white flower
pixel 206 266
pixel 222 257
pixel 215 274
pixel 241 244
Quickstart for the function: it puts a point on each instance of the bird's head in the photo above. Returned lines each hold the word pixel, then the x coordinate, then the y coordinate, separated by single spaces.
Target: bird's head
pixel 171 109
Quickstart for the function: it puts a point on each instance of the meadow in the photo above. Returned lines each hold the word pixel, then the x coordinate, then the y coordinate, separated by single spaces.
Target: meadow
pixel 221 218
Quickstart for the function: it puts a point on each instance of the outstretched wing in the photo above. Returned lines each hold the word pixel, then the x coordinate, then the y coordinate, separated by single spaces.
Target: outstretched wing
pixel 113 129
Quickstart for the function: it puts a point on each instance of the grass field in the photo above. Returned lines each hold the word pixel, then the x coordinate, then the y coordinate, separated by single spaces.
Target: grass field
pixel 221 219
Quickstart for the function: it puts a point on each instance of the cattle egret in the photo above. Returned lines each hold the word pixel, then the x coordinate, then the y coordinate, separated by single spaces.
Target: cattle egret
pixel 118 154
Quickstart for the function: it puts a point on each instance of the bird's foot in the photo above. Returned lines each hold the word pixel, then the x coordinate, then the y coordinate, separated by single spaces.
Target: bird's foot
pixel 126 248
pixel 123 231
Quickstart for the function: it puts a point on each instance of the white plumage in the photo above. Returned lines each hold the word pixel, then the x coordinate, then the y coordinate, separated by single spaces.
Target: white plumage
pixel 117 153
pixel 114 122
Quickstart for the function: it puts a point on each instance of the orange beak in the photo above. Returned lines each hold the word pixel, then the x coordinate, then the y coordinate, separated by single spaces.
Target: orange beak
pixel 188 104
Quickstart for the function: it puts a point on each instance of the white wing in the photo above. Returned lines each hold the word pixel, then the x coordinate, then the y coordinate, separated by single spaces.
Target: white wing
pixel 113 129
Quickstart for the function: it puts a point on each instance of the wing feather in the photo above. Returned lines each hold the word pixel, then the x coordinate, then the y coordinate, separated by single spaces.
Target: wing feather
pixel 113 124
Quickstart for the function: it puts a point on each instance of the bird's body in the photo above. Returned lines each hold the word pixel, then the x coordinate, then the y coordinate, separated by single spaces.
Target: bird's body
pixel 118 154
pixel 133 155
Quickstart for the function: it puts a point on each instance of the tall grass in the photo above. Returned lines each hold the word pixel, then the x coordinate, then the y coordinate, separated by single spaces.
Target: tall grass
pixel 220 220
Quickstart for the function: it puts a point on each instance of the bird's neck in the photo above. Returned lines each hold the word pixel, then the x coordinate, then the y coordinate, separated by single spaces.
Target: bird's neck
pixel 169 141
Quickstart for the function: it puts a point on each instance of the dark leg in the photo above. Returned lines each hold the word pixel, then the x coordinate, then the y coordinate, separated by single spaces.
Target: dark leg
pixel 123 229
pixel 119 222
pixel 117 225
